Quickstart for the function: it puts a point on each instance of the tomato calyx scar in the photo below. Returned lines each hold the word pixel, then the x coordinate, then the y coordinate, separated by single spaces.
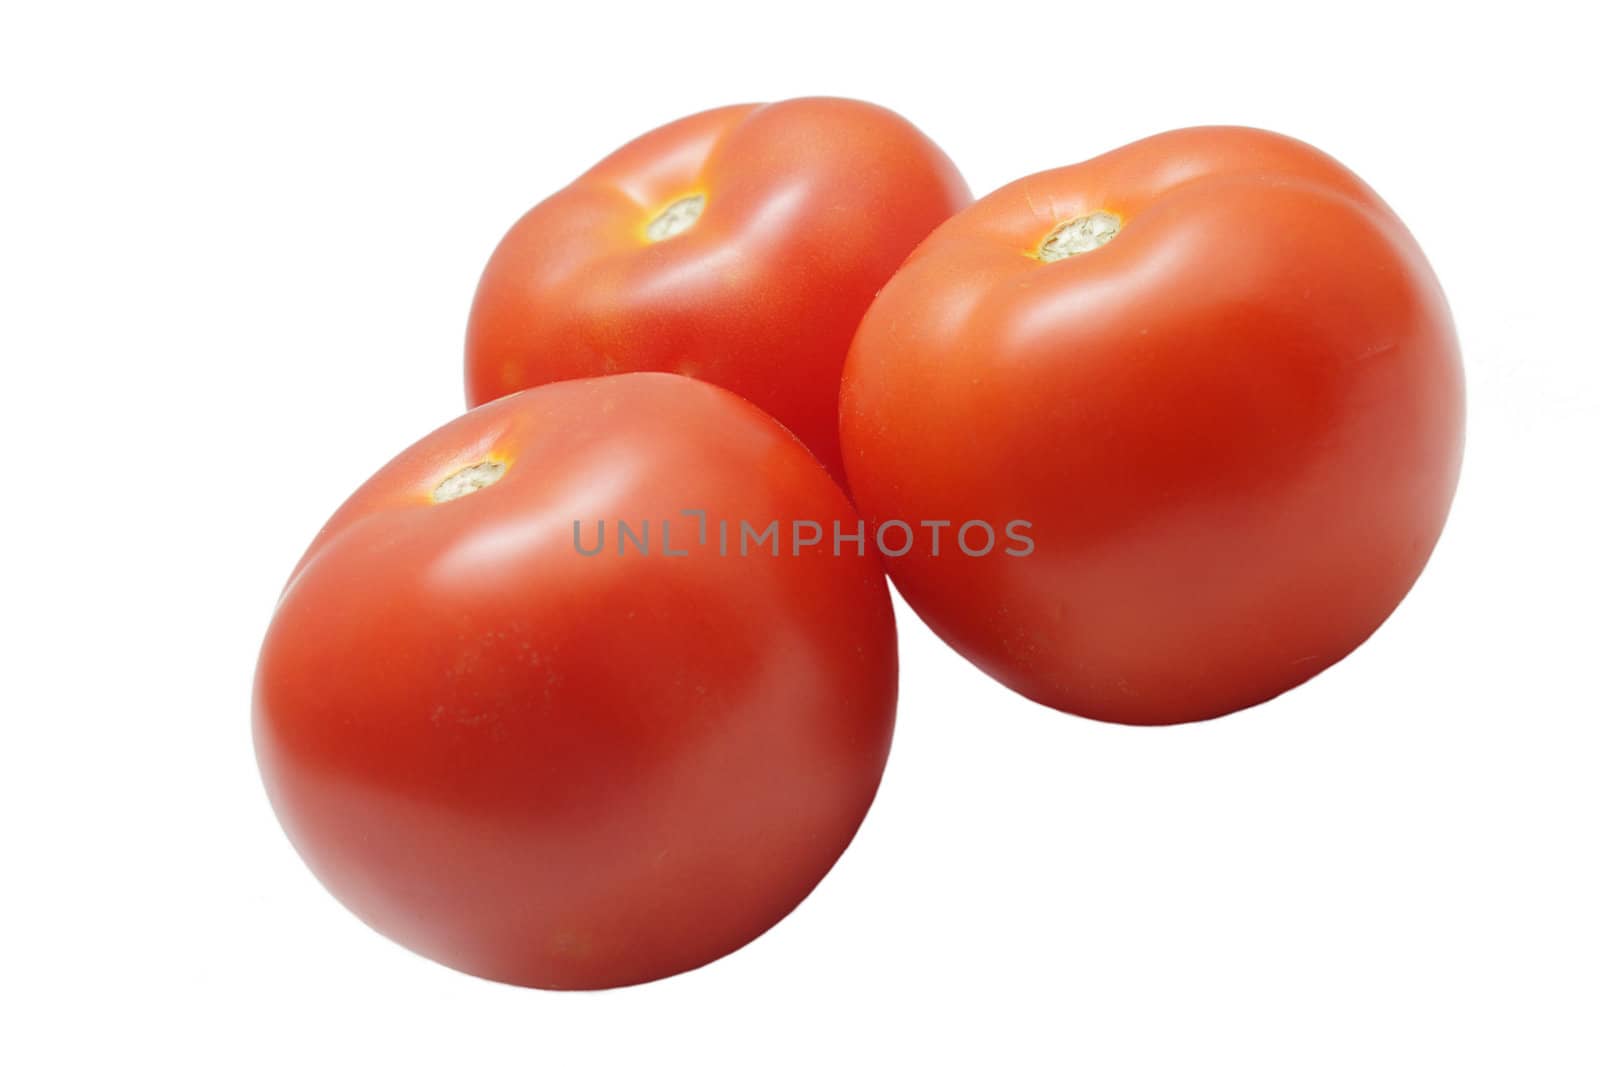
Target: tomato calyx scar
pixel 676 217
pixel 1078 235
pixel 468 480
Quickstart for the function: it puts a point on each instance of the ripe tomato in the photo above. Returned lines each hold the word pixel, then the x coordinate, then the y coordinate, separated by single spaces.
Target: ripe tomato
pixel 1214 372
pixel 741 246
pixel 568 770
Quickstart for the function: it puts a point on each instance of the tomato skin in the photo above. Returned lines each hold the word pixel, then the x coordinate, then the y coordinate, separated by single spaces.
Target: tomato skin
pixel 566 771
pixel 809 207
pixel 1236 427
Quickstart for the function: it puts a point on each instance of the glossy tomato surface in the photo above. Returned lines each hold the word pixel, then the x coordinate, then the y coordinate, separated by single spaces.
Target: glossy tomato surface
pixel 1215 373
pixel 568 770
pixel 741 246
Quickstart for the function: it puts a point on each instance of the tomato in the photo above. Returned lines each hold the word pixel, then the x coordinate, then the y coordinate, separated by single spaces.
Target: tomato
pixel 1214 373
pixel 574 770
pixel 740 245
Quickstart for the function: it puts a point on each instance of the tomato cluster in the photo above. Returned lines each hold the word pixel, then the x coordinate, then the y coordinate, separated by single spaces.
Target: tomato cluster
pixel 593 684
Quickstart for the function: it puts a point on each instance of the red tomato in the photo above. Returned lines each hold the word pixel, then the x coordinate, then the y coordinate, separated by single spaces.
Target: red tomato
pixel 568 770
pixel 741 246
pixel 1214 372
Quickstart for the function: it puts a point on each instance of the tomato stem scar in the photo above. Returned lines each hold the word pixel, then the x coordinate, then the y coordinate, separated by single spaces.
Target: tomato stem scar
pixel 1077 236
pixel 676 217
pixel 468 480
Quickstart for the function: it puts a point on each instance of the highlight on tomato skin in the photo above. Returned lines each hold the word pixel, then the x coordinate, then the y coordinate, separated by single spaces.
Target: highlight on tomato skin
pixel 740 245
pixel 573 769
pixel 1215 372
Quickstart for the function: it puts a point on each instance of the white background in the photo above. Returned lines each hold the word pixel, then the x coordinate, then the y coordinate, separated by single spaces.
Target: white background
pixel 238 248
